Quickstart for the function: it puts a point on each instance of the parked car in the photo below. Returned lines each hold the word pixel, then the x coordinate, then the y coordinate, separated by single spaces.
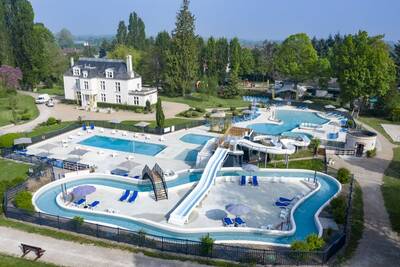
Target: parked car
pixel 50 103
pixel 42 99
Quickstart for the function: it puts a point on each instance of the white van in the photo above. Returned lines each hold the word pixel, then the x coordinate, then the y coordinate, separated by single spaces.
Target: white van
pixel 41 99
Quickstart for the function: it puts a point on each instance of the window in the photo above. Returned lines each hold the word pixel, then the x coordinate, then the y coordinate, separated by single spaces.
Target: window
pixel 118 99
pixel 103 98
pixel 86 85
pixel 84 74
pixel 138 86
pixel 109 74
pixel 118 87
pixel 78 84
pixel 136 100
pixel 102 85
pixel 77 71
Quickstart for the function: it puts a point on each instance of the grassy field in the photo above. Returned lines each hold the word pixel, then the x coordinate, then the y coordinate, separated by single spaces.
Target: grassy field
pixel 24 105
pixel 199 100
pixel 391 190
pixel 56 90
pixel 10 170
pixel 39 130
pixel 168 122
pixel 10 261
pixel 310 164
pixel 376 124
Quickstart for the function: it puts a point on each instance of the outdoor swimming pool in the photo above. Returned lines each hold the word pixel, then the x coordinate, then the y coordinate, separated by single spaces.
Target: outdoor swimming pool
pixel 291 119
pixel 123 145
pixel 197 139
pixel 303 215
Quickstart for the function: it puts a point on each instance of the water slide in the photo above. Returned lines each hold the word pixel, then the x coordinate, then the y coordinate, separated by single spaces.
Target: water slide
pixel 300 141
pixel 275 148
pixel 181 214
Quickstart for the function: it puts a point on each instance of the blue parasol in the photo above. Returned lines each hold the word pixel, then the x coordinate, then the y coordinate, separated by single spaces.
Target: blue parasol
pixel 250 168
pixel 83 191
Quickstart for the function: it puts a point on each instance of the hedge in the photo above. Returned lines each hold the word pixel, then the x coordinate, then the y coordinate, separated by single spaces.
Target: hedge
pixel 23 200
pixel 7 140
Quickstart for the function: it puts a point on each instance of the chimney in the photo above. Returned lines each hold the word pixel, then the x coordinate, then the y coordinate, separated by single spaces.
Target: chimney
pixel 129 65
pixel 72 62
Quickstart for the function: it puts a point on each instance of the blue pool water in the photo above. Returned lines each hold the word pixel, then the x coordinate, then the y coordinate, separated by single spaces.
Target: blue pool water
pixel 123 145
pixel 291 119
pixel 197 139
pixel 303 215
pixel 188 155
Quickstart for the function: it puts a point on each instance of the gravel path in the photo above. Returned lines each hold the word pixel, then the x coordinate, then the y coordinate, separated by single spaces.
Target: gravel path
pixel 67 253
pixel 379 245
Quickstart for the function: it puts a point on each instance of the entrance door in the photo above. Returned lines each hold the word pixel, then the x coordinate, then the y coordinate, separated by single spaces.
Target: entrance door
pixel 360 150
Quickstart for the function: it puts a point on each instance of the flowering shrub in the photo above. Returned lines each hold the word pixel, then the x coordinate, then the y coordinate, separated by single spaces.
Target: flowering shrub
pixel 10 77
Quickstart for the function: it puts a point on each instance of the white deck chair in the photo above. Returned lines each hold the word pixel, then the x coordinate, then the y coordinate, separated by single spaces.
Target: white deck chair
pixel 113 132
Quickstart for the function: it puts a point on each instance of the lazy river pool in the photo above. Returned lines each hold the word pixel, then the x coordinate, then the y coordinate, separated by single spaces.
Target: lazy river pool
pixel 46 202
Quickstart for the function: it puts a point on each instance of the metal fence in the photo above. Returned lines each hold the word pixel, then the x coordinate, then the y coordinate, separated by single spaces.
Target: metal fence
pixel 279 256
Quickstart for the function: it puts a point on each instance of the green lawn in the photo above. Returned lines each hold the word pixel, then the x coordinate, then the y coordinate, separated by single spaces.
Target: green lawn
pixel 168 122
pixel 199 100
pixel 303 153
pixel 391 190
pixel 376 124
pixel 10 170
pixel 43 129
pixel 24 105
pixel 310 164
pixel 10 261
pixel 56 90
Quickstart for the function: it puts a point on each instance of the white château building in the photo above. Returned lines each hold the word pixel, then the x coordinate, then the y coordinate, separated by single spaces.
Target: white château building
pixel 93 80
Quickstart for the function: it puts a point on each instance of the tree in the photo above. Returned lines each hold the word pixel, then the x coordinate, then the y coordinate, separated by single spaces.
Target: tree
pixel 122 51
pixel 231 89
pixel 136 35
pixel 222 59
pixel 6 51
pixel 235 56
pixel 182 64
pixel 314 145
pixel 247 63
pixel 10 77
pixel 266 58
pixel 122 32
pixel 297 59
pixel 210 57
pixel 65 38
pixel 104 48
pixel 363 67
pixel 160 118
pixel 396 59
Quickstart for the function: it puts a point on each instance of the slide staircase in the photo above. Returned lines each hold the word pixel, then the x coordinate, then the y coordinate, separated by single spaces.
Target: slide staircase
pixel 180 215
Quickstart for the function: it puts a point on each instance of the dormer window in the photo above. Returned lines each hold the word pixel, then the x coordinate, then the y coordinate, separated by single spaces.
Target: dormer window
pixel 77 71
pixel 109 74
pixel 84 74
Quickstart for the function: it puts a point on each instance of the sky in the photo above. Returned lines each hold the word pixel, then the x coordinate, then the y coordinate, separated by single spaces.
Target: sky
pixel 246 19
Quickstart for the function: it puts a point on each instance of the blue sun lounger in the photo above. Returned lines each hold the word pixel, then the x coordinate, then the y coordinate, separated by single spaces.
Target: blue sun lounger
pixel 243 180
pixel 283 199
pixel 91 126
pixel 133 197
pixel 227 221
pixel 239 222
pixel 125 195
pixel 255 181
pixel 94 204
pixel 282 204
pixel 84 127
pixel 79 202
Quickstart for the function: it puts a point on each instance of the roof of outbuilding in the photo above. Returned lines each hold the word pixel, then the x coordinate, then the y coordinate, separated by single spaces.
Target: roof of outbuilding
pixel 96 68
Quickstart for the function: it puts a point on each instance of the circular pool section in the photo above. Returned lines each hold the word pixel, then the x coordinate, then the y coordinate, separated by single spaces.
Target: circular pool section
pixel 291 119
pixel 304 216
pixel 197 139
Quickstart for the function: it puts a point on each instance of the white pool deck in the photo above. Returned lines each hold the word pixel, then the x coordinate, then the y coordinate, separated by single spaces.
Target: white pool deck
pixel 209 214
pixel 106 160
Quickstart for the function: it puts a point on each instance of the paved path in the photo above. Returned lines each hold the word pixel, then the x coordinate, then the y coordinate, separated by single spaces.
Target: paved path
pixel 379 245
pixel 67 253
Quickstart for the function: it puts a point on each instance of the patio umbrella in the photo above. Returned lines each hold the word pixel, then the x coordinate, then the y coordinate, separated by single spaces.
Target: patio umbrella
pixel 237 209
pixel 48 147
pixel 82 191
pixel 308 101
pixel 23 141
pixel 278 99
pixel 250 168
pixel 128 165
pixel 329 107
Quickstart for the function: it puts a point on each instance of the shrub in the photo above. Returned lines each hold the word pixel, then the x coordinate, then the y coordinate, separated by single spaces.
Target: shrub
pixel 206 245
pixel 371 153
pixel 78 221
pixel 148 106
pixel 200 110
pixel 232 108
pixel 343 175
pixel 235 113
pixel 26 117
pixel 314 242
pixel 338 206
pixel 299 246
pixel 52 121
pixel 7 140
pixel 23 200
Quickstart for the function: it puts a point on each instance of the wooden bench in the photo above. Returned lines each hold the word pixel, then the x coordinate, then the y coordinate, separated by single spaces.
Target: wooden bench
pixel 28 248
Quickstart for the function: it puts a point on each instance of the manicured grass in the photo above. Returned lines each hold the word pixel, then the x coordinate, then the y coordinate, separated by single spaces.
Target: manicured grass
pixel 376 124
pixel 303 153
pixel 56 90
pixel 391 190
pixel 168 122
pixel 24 105
pixel 203 101
pixel 10 170
pixel 43 129
pixel 10 261
pixel 35 229
pixel 310 164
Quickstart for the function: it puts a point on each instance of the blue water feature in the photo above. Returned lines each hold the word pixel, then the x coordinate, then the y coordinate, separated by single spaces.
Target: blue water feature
pixel 291 119
pixel 197 139
pixel 123 145
pixel 188 155
pixel 303 215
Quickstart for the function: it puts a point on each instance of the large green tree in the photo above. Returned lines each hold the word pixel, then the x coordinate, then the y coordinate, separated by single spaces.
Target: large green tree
pixel 297 59
pixel 122 33
pixel 222 59
pixel 234 56
pixel 65 38
pixel 160 118
pixel 182 63
pixel 136 36
pixel 6 51
pixel 211 57
pixel 396 59
pixel 363 67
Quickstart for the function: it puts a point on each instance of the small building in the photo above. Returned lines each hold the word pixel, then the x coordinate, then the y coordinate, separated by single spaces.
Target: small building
pixel 288 90
pixel 92 80
pixel 361 140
